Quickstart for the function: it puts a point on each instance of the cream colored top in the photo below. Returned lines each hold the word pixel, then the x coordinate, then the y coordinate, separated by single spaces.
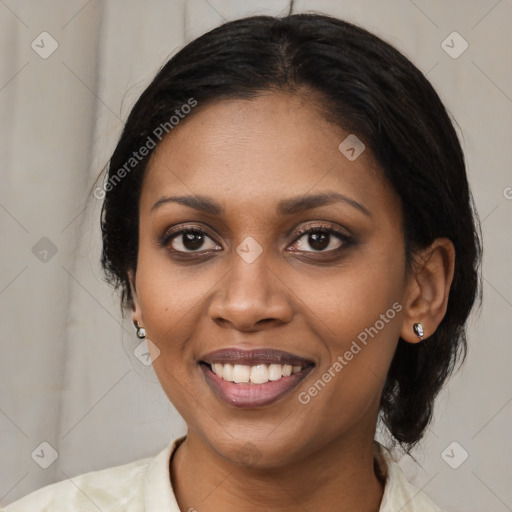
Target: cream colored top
pixel 145 486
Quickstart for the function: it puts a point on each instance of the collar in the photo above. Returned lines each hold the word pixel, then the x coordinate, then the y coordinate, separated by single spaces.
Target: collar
pixel 159 495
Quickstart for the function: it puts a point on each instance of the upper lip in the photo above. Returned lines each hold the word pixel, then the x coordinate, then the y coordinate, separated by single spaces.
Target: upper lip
pixel 233 355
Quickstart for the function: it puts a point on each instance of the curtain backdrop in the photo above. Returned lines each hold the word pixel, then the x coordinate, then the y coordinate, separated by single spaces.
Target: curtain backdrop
pixel 69 73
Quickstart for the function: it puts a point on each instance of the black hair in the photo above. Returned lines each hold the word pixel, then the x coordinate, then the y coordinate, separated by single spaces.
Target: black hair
pixel 364 86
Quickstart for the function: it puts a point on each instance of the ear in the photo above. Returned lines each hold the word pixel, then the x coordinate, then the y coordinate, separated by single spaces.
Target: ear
pixel 136 311
pixel 428 288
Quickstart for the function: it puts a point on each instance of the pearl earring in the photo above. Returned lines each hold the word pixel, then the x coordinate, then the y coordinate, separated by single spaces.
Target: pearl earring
pixel 141 332
pixel 418 330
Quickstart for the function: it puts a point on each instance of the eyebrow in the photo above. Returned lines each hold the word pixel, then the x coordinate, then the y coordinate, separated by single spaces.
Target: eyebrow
pixel 287 206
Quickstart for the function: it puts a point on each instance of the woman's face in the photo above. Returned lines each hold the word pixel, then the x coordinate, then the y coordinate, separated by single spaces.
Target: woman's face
pixel 244 278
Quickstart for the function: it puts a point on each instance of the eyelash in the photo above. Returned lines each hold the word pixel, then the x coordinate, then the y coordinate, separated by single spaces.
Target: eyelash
pixel 306 230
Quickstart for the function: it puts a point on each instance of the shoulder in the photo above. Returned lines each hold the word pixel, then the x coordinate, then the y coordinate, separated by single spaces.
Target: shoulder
pixel 113 489
pixel 399 493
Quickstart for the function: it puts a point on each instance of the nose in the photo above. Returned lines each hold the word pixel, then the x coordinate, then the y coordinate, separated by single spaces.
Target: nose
pixel 251 297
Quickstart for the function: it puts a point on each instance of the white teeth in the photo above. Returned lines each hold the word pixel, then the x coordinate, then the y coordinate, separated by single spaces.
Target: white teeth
pixel 287 370
pixel 258 374
pixel 217 368
pixel 275 372
pixel 227 372
pixel 241 373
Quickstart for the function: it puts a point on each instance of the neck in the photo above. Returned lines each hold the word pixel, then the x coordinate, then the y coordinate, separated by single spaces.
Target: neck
pixel 341 476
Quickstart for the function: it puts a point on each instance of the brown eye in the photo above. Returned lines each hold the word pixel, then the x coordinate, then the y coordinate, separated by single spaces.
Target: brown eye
pixel 190 240
pixel 320 239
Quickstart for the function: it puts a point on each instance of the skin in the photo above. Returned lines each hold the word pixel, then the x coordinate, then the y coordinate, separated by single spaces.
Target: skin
pixel 247 155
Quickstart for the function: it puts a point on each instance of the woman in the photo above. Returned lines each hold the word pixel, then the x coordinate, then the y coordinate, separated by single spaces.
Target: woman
pixel 288 218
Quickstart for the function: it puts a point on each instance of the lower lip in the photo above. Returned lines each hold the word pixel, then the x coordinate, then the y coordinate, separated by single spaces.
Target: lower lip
pixel 250 396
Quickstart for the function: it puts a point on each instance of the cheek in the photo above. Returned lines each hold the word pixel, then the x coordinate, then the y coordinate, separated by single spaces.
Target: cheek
pixel 165 295
pixel 169 302
pixel 359 328
pixel 357 317
pixel 353 297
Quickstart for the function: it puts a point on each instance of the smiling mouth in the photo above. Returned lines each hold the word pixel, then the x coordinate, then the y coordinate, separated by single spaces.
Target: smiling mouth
pixel 256 374
pixel 254 378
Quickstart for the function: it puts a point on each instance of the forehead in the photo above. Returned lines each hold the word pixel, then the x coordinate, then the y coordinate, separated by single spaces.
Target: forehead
pixel 260 151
